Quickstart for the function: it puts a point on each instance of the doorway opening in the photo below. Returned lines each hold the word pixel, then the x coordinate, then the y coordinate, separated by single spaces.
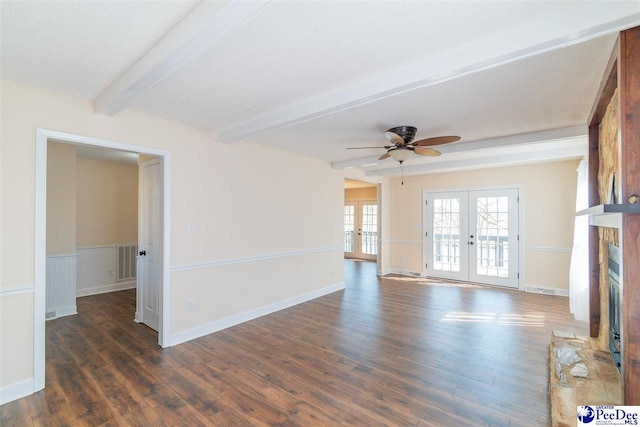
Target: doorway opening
pixel 160 225
pixel 361 220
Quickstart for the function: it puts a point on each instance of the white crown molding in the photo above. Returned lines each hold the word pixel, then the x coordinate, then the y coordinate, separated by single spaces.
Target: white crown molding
pixel 197 31
pixel 500 48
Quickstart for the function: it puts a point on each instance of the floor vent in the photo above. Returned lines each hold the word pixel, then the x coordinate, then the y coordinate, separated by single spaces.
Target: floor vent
pixel 545 291
pixel 126 263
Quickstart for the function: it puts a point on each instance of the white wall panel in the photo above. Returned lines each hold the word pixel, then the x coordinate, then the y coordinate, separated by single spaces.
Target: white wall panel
pixel 60 286
pixel 97 271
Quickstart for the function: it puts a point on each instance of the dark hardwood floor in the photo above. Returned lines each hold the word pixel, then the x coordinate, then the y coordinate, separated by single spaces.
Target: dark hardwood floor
pixel 394 351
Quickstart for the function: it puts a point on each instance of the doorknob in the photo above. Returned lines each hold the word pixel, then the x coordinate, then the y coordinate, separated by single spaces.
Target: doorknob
pixel 142 253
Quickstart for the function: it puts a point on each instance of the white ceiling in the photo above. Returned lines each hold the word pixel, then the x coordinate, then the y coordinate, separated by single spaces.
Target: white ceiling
pixel 511 78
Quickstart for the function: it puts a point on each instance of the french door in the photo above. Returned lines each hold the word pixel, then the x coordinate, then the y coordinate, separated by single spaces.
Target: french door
pixel 361 229
pixel 473 236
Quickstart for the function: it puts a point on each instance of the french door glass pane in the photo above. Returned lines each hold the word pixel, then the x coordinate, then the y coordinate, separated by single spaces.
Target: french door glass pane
pixel 349 227
pixel 370 229
pixel 492 250
pixel 446 234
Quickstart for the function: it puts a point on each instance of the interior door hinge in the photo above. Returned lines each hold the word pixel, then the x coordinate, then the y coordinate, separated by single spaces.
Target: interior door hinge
pixel 426 234
pixel 426 202
pixel 518 275
pixel 426 266
pixel 518 199
pixel 518 237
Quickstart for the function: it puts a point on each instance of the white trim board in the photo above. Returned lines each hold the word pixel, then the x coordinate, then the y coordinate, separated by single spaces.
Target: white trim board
pixel 236 319
pixel 546 291
pixel 546 249
pixel 15 391
pixel 404 241
pixel 120 286
pixel 17 290
pixel 403 272
pixel 228 261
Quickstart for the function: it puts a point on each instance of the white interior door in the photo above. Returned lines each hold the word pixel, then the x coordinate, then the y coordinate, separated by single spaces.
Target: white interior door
pixel 361 229
pixel 473 236
pixel 149 278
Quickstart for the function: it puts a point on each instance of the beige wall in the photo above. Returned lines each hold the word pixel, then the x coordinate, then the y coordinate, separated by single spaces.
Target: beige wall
pixel 107 208
pixel 237 196
pixel 549 193
pixel 61 199
pixel 369 193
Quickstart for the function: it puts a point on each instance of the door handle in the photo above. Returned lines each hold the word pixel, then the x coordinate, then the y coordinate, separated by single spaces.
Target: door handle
pixel 142 253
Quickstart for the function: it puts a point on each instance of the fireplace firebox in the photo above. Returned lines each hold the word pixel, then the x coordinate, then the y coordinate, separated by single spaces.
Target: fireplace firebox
pixel 614 303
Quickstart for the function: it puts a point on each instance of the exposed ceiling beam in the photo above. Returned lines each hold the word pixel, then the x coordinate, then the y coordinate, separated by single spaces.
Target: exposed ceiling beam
pixel 544 152
pixel 480 54
pixel 531 138
pixel 202 27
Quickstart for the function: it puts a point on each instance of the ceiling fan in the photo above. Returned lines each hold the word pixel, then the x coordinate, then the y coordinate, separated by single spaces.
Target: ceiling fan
pixel 404 146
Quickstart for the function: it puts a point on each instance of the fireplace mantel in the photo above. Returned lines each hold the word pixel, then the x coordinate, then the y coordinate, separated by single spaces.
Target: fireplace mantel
pixel 609 215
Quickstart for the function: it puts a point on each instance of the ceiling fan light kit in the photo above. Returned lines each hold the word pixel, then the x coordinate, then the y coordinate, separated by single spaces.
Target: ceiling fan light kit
pixel 400 154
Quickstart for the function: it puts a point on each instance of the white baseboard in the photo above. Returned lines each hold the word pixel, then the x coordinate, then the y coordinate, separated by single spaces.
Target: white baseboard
pixel 546 291
pixel 113 287
pixel 61 312
pixel 15 391
pixel 218 325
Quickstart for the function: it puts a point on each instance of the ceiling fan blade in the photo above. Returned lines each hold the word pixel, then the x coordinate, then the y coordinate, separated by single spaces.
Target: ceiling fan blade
pixel 424 151
pixel 384 156
pixel 394 137
pixel 438 140
pixel 363 148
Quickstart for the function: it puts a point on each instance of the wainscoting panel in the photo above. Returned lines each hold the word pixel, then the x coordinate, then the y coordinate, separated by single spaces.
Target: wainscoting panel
pixel 97 271
pixel 60 286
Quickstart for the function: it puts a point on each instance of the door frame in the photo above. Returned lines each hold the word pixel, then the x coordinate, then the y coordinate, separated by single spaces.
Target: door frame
pixel 519 187
pixel 40 226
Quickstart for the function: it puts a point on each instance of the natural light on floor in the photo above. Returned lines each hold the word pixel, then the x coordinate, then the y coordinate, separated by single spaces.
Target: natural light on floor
pixel 535 320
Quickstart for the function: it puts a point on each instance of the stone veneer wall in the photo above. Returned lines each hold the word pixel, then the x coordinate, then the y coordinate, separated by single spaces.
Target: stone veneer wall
pixel 608 160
